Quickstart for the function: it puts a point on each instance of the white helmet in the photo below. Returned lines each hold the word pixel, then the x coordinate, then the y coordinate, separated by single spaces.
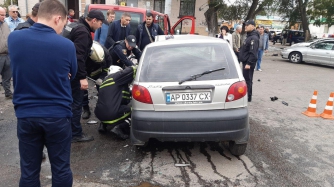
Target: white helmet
pixel 97 52
pixel 114 69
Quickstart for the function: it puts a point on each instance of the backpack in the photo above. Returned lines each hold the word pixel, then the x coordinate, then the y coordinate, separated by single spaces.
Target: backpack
pixel 68 29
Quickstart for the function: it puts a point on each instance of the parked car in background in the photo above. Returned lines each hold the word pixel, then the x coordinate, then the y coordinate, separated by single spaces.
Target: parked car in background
pixel 293 36
pixel 173 102
pixel 318 52
pixel 277 38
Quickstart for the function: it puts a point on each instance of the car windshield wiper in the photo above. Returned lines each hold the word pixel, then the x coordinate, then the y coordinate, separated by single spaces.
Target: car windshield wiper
pixel 194 77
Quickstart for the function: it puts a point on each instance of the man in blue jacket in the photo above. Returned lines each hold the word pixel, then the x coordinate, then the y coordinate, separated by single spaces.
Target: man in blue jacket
pixel 101 33
pixel 118 30
pixel 42 74
pixel 263 47
pixel 147 31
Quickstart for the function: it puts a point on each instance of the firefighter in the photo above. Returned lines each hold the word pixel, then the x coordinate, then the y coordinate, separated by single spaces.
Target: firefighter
pixel 114 96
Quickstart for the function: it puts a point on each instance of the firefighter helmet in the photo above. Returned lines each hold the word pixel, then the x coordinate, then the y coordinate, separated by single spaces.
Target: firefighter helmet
pixel 114 69
pixel 97 52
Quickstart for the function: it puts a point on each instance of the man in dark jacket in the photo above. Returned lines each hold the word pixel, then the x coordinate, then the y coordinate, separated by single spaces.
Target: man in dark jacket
pixel 82 39
pixel 248 55
pixel 114 96
pixel 31 20
pixel 147 31
pixel 118 30
pixel 122 49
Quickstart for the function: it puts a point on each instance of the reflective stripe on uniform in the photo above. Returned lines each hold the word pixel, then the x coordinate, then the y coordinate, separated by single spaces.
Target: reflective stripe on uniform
pixel 107 84
pixel 125 97
pixel 134 71
pixel 116 120
pixel 125 92
pixel 106 69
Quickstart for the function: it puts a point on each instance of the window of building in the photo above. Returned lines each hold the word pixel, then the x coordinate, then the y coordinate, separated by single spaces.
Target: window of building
pixel 187 7
pixel 98 1
pixel 159 6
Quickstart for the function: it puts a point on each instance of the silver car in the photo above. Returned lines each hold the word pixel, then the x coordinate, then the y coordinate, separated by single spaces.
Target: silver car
pixel 190 88
pixel 319 52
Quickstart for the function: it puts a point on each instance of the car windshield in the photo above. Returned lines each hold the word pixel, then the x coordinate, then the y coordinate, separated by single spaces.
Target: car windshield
pixel 136 18
pixel 173 63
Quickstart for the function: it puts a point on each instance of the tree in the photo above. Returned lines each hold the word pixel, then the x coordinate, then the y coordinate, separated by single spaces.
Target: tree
pixel 211 15
pixel 321 11
pixel 8 2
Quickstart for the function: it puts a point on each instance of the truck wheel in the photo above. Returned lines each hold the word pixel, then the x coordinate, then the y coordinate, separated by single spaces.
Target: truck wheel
pixel 237 149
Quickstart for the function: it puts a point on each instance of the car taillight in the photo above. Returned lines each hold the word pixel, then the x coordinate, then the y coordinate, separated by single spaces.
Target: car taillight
pixel 236 91
pixel 141 94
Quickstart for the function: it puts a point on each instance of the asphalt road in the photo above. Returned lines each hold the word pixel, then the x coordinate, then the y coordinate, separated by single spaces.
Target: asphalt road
pixel 286 148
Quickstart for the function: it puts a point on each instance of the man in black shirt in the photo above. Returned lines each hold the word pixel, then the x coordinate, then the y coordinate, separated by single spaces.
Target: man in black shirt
pixel 248 55
pixel 147 31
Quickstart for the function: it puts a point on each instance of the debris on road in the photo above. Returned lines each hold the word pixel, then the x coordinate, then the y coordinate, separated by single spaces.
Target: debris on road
pixel 273 98
pixel 182 165
pixel 125 145
pixel 285 103
pixel 258 80
pixel 91 122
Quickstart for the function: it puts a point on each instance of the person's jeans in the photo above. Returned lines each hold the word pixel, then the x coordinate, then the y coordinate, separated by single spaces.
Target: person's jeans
pixel 6 73
pixel 248 76
pixel 259 59
pixel 56 135
pixel 77 95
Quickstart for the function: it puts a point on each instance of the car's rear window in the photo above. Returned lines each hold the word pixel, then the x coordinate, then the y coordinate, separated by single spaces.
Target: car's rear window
pixel 173 63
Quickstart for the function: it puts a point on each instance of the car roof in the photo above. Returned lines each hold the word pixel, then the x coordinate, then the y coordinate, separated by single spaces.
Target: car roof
pixel 189 38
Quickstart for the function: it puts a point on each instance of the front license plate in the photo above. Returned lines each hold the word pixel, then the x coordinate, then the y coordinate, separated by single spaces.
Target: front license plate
pixel 188 98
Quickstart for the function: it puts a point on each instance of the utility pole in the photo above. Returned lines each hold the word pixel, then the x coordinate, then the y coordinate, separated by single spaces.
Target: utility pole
pixel 168 7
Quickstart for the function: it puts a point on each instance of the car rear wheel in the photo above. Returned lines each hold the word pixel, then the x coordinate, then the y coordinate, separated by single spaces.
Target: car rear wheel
pixel 237 149
pixel 295 57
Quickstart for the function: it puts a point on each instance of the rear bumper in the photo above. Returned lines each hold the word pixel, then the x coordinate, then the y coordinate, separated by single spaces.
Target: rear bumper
pixel 210 125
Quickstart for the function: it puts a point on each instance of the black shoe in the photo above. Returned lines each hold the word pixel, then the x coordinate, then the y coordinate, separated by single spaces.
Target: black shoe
pixel 102 128
pixel 119 133
pixel 9 96
pixel 82 138
pixel 86 112
pixel 249 99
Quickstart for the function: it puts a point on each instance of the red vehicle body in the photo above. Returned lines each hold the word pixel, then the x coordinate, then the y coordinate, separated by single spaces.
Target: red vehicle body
pixel 138 15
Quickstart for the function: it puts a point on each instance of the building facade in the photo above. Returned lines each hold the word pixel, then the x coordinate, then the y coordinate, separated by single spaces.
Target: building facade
pixel 178 8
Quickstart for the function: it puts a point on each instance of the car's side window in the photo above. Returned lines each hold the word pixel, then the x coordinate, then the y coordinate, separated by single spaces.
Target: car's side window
pixel 324 45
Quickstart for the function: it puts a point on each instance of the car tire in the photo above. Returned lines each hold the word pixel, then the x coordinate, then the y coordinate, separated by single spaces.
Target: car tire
pixel 237 149
pixel 295 57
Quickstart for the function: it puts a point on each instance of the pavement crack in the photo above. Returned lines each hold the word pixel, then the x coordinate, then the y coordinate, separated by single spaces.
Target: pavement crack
pixel 192 167
pixel 208 157
pixel 185 175
pixel 216 147
pixel 153 154
pixel 246 167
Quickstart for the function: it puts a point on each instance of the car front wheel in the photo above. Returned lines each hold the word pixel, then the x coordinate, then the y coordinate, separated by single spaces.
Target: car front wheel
pixel 295 57
pixel 237 149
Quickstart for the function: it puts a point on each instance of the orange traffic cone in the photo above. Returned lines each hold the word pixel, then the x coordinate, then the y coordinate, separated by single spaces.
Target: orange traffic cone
pixel 312 107
pixel 328 112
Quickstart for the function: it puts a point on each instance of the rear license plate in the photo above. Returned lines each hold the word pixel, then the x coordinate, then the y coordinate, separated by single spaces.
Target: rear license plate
pixel 188 98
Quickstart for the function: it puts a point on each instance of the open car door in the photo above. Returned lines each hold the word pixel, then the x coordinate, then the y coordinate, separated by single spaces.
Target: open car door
pixel 185 25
